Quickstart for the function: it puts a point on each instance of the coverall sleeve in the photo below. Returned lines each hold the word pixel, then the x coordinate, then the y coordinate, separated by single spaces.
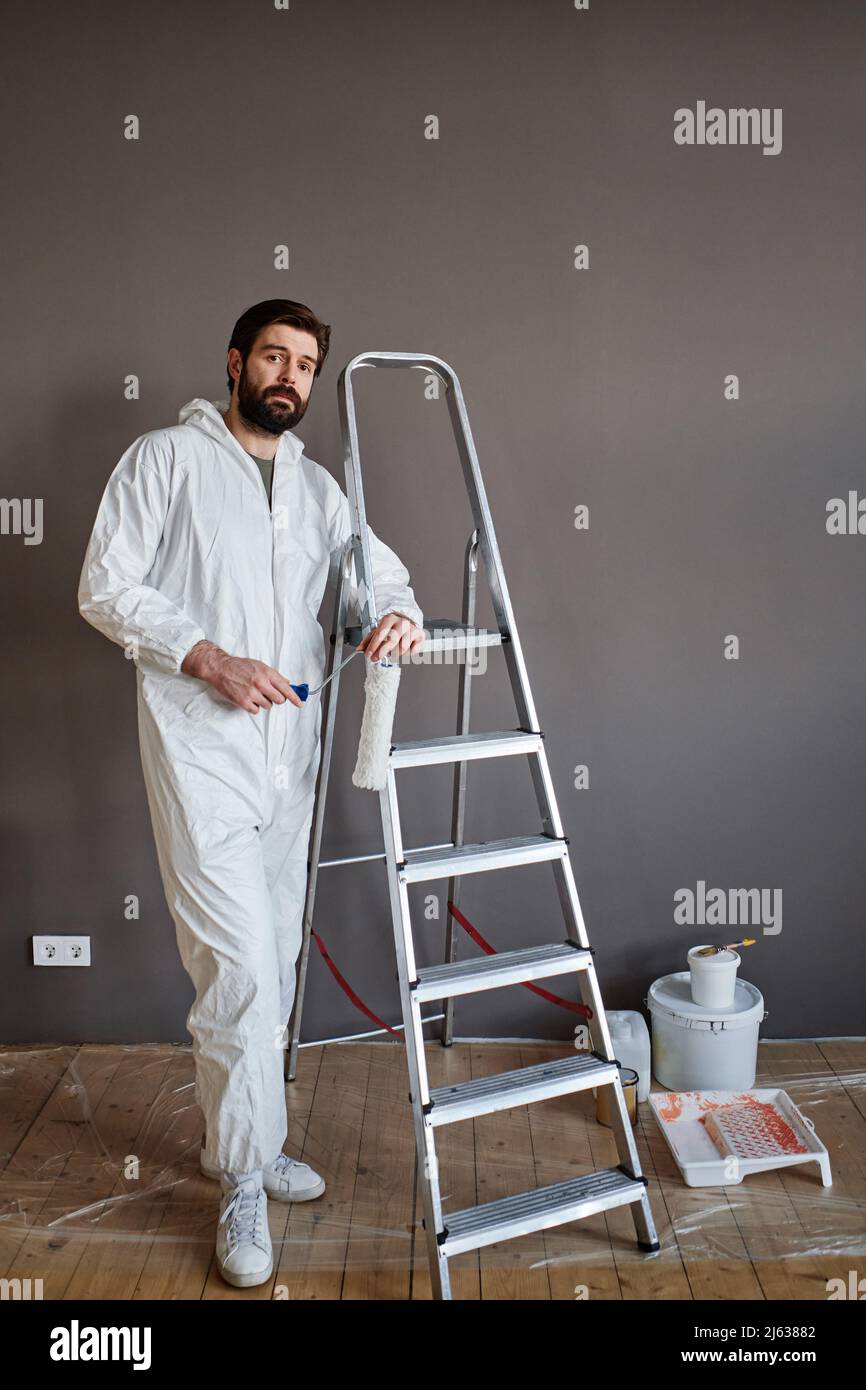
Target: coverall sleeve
pixel 390 576
pixel 112 593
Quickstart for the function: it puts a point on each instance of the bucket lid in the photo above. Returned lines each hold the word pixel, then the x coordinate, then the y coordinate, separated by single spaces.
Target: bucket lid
pixel 671 997
pixel 723 957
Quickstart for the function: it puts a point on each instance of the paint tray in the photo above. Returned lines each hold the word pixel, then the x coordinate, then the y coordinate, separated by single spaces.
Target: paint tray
pixel 718 1137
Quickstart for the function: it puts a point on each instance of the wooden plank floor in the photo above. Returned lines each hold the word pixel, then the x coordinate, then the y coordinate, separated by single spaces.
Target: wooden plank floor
pixel 101 1196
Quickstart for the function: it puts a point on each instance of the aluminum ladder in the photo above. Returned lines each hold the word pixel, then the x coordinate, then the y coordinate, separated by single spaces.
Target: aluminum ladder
pixel 449 1233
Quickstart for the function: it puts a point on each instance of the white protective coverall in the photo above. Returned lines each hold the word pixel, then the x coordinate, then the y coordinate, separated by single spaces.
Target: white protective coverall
pixel 185 547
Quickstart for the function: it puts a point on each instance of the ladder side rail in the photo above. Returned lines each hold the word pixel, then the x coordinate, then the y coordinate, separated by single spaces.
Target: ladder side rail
pixel 624 1135
pixel 413 1035
pixel 402 921
pixel 464 700
pixel 329 714
pixel 599 1031
pixel 367 615
pixel 489 547
pixel 512 648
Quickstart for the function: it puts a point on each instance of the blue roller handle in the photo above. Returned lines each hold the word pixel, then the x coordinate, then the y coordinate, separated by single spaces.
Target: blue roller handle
pixel 303 690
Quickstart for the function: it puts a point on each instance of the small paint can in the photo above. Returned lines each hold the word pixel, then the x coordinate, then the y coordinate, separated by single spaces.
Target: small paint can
pixel 605 1103
pixel 713 979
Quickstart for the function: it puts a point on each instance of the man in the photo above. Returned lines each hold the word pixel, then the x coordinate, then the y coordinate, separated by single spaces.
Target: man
pixel 208 561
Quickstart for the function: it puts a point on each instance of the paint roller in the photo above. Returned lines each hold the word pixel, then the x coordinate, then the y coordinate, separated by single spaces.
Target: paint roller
pixel 380 702
pixel 374 744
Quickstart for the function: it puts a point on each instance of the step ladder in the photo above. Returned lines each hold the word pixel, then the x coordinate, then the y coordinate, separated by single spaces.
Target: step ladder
pixel 449 1233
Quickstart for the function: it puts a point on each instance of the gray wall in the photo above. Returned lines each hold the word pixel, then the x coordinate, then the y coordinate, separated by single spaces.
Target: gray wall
pixel 602 386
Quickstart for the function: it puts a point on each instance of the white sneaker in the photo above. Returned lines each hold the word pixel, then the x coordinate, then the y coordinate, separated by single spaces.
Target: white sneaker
pixel 244 1252
pixel 289 1180
pixel 286 1179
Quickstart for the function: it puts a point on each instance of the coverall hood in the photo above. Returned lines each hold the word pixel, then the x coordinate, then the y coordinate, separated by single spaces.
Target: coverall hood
pixel 208 416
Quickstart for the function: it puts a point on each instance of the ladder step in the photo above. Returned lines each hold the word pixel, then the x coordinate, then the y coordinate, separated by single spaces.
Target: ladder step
pixel 504 968
pixel 444 635
pixel 507 1089
pixel 419 865
pixel 460 748
pixel 537 1209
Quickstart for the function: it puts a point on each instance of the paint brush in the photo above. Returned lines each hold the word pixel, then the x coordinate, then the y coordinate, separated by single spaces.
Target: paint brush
pixel 711 950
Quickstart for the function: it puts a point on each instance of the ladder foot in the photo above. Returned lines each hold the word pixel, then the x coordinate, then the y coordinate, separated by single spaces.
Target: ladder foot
pixel 650 1246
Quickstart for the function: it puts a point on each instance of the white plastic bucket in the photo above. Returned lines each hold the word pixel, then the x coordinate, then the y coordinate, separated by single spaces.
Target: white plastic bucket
pixel 713 978
pixel 700 1049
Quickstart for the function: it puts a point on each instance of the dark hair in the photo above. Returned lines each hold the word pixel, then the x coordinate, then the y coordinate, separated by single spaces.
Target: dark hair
pixel 253 320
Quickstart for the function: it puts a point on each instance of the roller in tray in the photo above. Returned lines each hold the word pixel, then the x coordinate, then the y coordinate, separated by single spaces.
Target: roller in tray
pixel 759 1129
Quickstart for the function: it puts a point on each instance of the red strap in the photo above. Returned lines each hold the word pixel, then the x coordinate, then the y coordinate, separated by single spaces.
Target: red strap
pixel 467 926
pixel 359 1003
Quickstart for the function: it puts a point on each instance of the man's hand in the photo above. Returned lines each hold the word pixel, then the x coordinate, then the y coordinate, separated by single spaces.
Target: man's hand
pixel 251 685
pixel 394 634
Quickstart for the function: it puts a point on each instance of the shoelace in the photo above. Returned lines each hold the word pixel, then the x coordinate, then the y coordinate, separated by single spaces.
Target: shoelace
pixel 283 1164
pixel 244 1211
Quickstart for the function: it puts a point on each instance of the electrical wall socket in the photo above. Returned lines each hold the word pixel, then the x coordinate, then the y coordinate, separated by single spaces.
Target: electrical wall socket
pixel 61 950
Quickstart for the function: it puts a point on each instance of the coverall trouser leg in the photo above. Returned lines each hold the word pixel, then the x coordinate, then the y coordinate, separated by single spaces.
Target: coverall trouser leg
pixel 235 886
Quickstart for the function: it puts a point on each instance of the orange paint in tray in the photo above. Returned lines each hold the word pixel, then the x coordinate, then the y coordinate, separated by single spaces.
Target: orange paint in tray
pixel 750 1128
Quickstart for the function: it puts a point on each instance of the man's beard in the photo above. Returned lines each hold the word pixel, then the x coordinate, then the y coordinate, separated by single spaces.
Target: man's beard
pixel 260 409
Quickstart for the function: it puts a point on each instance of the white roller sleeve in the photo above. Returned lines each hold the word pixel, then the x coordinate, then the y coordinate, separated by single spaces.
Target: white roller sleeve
pixel 374 745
